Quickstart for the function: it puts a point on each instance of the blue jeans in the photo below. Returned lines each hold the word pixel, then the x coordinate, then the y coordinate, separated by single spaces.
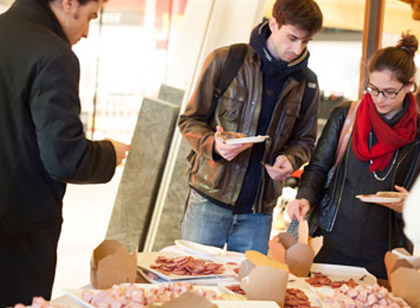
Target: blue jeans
pixel 207 223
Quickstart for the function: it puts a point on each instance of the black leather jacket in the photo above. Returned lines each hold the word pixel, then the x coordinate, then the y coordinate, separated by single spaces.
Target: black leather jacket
pixel 315 175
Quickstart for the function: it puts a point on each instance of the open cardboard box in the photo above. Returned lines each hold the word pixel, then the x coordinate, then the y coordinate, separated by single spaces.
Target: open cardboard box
pixel 111 264
pixel 297 254
pixel 263 278
pixel 404 275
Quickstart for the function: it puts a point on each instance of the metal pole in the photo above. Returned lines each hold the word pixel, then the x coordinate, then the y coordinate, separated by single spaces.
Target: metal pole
pixel 372 36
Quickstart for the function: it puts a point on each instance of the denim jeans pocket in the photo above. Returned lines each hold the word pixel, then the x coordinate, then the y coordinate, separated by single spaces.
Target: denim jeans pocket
pixel 196 198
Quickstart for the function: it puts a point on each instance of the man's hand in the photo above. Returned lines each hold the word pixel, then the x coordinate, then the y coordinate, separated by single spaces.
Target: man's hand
pixel 281 169
pixel 227 151
pixel 120 150
pixel 397 206
pixel 297 209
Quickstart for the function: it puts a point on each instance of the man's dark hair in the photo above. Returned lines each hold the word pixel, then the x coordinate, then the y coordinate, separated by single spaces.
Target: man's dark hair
pixel 82 2
pixel 304 14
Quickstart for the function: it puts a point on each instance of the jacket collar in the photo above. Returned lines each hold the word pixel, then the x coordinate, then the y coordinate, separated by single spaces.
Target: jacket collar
pixel 296 68
pixel 39 12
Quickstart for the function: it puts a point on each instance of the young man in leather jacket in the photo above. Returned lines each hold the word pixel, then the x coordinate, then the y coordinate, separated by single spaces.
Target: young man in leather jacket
pixel 234 188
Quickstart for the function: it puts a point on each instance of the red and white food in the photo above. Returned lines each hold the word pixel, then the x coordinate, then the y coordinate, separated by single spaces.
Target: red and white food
pixel 39 302
pixel 321 280
pixel 133 296
pixel 363 296
pixel 187 266
pixel 296 298
pixel 236 288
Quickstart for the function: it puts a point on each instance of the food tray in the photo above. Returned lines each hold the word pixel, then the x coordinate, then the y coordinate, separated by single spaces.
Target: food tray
pixel 76 296
pixel 146 260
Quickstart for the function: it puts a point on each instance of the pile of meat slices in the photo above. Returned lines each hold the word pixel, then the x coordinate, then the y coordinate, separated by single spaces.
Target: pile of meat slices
pixel 363 296
pixel 296 298
pixel 133 296
pixel 187 266
pixel 320 280
pixel 39 302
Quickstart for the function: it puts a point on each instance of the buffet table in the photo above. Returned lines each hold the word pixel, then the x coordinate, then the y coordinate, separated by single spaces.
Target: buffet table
pixel 316 290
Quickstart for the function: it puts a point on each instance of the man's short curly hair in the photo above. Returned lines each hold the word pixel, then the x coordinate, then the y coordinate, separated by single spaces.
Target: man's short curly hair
pixel 304 14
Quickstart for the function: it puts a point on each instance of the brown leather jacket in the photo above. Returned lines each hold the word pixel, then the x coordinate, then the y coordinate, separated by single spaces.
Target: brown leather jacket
pixel 292 130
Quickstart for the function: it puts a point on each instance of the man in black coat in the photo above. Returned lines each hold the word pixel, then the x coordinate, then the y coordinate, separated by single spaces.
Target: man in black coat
pixel 42 143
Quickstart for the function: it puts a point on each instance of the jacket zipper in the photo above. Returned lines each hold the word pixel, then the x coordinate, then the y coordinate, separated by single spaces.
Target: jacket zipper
pixel 282 119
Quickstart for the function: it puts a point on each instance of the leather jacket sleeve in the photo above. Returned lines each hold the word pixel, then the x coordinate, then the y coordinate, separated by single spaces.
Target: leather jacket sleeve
pixel 302 142
pixel 198 133
pixel 315 174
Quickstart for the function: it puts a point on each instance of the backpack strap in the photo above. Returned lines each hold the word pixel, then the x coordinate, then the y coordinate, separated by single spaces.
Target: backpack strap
pixel 234 61
pixel 311 87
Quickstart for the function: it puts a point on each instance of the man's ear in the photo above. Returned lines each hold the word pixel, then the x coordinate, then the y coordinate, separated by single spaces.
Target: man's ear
pixel 70 6
pixel 273 24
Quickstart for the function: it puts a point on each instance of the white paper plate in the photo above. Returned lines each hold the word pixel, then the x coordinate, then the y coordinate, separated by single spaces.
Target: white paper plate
pixel 198 249
pixel 255 139
pixel 377 199
pixel 343 272
pixel 76 296
pixel 207 281
pixel 145 260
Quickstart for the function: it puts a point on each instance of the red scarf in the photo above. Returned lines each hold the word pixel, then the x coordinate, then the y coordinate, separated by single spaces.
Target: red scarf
pixel 389 138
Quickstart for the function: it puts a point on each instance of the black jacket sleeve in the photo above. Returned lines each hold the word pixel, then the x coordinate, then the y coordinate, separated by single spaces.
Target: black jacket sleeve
pixel 66 154
pixel 315 173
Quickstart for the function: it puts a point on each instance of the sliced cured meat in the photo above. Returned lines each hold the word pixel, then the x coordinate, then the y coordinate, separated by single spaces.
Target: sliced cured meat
pixel 186 266
pixel 321 280
pixel 296 298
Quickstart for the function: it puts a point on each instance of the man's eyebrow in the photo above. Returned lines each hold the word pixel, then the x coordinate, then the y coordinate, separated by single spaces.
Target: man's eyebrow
pixel 306 38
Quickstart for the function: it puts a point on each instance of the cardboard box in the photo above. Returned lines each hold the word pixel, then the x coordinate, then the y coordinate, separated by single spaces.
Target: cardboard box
pixel 263 278
pixel 403 275
pixel 297 254
pixel 112 264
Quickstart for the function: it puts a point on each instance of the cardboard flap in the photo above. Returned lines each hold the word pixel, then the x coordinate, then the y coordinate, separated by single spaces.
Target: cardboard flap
pixel 405 283
pixel 107 247
pixel 404 254
pixel 299 258
pixel 393 261
pixel 276 250
pixel 112 264
pixel 286 239
pixel 186 300
pixel 245 268
pixel 303 231
pixel 402 251
pixel 316 244
pixel 266 283
pixel 390 260
pixel 257 258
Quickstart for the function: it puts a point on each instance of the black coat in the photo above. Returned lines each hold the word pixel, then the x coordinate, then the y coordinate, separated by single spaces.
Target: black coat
pixel 43 146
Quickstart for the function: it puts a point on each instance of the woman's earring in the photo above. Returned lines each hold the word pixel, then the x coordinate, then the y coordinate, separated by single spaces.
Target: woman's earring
pixel 413 87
